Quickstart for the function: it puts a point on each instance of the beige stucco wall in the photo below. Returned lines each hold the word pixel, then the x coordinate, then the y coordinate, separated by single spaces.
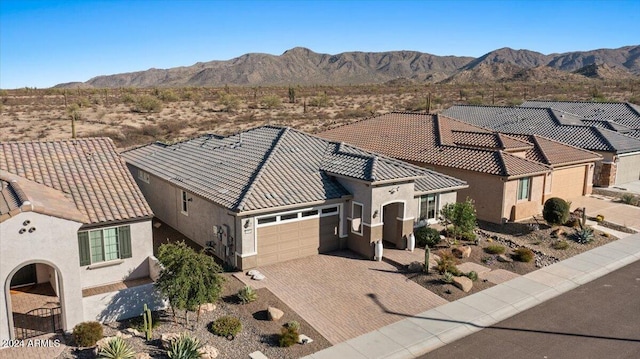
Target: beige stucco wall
pixel 54 243
pixel 123 304
pixel 514 209
pixel 123 269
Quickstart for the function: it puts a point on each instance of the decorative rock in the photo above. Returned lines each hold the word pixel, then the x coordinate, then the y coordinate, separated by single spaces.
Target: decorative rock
pixel 274 313
pixel 102 343
pixel 415 267
pixel 132 331
pixel 142 356
pixel 504 259
pixel 257 355
pixel 463 283
pixel 258 277
pixel 303 339
pixel 557 232
pixel 208 352
pixel 123 335
pixel 207 307
pixel 253 272
pixel 462 251
pixel 167 338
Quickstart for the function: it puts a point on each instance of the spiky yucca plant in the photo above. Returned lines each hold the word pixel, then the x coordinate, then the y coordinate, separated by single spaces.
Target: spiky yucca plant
pixel 117 348
pixel 247 295
pixel 185 347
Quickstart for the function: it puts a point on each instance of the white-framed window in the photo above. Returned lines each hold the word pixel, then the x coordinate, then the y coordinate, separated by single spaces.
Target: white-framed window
pixel 185 203
pixel 299 215
pixel 524 188
pixel 105 244
pixel 356 218
pixel 428 207
pixel 143 176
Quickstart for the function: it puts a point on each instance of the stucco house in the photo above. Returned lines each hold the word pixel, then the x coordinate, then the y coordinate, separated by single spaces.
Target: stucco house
pixel 75 233
pixel 271 194
pixel 619 149
pixel 509 177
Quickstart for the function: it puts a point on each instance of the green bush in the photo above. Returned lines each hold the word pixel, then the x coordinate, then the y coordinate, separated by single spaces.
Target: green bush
pixel 185 347
pixel 628 198
pixel 523 254
pixel 560 245
pixel 468 236
pixel 288 337
pixel 555 211
pixel 426 236
pixel 293 324
pixel 86 334
pixel 225 326
pixel 473 275
pixel 247 295
pixel 146 103
pixel 495 249
pixel 447 263
pixel 447 277
pixel 117 348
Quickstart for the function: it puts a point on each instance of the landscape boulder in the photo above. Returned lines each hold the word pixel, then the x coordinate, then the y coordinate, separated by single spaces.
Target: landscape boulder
pixel 303 339
pixel 208 352
pixel 415 267
pixel 207 307
pixel 463 283
pixel 274 313
pixel 133 332
pixel 504 259
pixel 167 338
pixel 462 251
pixel 123 335
pixel 258 277
pixel 142 356
pixel 101 344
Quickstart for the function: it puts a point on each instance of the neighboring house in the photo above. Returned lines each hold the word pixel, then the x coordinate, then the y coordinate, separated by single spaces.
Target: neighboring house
pixel 73 224
pixel 620 152
pixel 271 194
pixel 509 177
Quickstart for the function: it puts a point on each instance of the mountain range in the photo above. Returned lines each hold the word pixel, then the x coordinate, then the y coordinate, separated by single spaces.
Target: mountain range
pixel 301 66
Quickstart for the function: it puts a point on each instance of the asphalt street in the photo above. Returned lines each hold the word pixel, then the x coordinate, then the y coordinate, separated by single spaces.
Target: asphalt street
pixel 600 319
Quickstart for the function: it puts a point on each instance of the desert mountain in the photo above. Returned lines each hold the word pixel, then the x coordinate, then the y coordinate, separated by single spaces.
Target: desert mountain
pixel 603 71
pixel 304 67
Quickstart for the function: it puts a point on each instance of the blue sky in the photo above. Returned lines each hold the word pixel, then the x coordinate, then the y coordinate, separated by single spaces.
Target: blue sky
pixel 43 43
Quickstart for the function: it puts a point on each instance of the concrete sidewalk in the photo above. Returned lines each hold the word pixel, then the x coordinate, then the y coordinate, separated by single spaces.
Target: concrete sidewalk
pixel 424 332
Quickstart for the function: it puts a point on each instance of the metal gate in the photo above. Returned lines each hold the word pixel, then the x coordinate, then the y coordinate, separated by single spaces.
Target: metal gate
pixel 37 322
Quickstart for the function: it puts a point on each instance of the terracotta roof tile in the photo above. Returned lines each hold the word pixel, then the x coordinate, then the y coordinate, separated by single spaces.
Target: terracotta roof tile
pixel 89 171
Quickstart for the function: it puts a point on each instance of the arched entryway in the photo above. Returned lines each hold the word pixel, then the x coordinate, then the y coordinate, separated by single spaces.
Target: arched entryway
pixel 33 294
pixel 392 219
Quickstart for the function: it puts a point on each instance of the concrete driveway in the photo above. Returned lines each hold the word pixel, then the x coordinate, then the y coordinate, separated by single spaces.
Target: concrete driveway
pixel 343 296
pixel 614 212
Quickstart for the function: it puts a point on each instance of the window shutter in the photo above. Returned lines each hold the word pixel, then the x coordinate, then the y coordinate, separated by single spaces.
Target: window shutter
pixel 85 251
pixel 124 239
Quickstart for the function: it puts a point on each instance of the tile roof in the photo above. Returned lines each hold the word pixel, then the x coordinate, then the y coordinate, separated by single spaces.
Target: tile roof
pixel 547 122
pixel 554 153
pixel 270 166
pixel 439 141
pixel 18 194
pixel 88 171
pixel 621 113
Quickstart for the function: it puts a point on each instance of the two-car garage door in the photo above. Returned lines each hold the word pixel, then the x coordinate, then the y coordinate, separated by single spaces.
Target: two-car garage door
pixel 278 242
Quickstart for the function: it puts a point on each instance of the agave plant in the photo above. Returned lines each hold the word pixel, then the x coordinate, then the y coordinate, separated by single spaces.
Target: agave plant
pixel 247 295
pixel 117 348
pixel 185 347
pixel 447 277
pixel 584 235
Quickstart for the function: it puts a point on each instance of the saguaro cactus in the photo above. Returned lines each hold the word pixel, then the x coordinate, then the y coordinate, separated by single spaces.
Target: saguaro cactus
pixel 427 253
pixel 148 322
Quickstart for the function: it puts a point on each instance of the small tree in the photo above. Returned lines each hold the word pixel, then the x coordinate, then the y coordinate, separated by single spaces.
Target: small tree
pixel 188 278
pixel 555 211
pixel 461 215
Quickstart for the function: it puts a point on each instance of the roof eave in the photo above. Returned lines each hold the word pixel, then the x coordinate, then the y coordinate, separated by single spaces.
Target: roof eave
pixel 440 190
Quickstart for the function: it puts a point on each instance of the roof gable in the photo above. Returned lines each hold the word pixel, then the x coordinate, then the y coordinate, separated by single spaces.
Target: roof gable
pixel 89 171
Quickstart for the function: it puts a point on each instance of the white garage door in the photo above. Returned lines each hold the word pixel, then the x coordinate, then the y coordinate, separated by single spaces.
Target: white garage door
pixel 628 169
pixel 297 239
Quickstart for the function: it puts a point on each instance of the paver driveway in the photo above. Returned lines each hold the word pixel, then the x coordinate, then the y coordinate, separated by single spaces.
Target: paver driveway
pixel 343 296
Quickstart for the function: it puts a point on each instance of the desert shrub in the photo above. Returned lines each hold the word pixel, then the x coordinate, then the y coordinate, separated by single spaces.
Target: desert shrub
pixel 117 348
pixel 168 96
pixel 599 218
pixel 447 277
pixel 86 334
pixel 560 245
pixel 628 198
pixel 583 235
pixel 523 254
pixel 447 263
pixel 146 103
pixel 247 295
pixel 473 275
pixel 294 324
pixel 271 101
pixel 320 100
pixel 288 337
pixel 185 347
pixel 462 215
pixel 426 236
pixel 225 326
pixel 555 211
pixel 229 102
pixel 468 236
pixel 495 249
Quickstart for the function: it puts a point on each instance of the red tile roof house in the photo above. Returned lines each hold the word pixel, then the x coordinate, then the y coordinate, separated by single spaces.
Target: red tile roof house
pixel 509 177
pixel 73 226
pixel 609 134
pixel 271 194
